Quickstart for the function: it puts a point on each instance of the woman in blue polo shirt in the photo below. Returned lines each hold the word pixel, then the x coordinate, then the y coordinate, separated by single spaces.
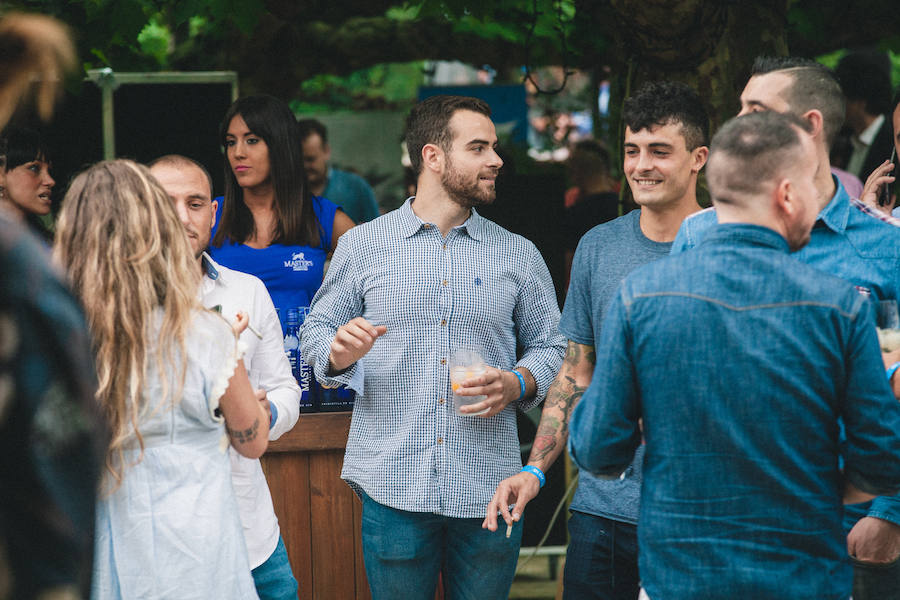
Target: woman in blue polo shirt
pixel 268 223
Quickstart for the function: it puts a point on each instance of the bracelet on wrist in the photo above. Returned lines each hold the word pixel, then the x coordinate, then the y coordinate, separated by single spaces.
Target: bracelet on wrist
pixel 521 379
pixel 536 472
pixel 891 370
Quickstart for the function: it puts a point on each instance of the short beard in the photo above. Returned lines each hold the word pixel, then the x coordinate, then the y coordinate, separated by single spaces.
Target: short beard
pixel 463 193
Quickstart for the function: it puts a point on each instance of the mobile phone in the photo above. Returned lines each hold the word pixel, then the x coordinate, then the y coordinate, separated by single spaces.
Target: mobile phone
pixel 885 196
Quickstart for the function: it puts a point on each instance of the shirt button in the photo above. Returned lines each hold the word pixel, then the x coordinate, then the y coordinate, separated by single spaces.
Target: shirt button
pixel 441 401
pixel 443 321
pixel 444 246
pixel 443 361
pixel 427 226
pixel 444 282
pixel 440 441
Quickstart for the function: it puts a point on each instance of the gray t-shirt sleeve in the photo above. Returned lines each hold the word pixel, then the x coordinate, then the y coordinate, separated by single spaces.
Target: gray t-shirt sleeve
pixel 575 322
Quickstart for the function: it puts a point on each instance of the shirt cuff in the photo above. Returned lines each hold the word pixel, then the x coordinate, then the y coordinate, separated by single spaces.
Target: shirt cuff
pixel 352 378
pixel 274 417
pixel 886 508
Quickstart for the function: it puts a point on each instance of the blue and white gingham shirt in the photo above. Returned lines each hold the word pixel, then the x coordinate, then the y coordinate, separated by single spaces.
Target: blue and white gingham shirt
pixel 481 287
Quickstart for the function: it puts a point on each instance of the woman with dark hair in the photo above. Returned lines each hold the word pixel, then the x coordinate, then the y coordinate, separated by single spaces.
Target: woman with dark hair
pixel 270 224
pixel 25 181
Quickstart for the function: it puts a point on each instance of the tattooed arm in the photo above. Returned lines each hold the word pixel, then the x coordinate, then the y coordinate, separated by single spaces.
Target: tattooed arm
pixel 243 415
pixel 552 434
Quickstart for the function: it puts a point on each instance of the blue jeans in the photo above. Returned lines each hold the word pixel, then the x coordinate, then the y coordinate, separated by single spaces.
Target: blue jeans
pixel 405 551
pixel 601 560
pixel 274 579
pixel 876 582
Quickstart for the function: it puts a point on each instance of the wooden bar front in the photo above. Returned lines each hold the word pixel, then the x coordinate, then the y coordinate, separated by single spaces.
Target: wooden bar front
pixel 318 513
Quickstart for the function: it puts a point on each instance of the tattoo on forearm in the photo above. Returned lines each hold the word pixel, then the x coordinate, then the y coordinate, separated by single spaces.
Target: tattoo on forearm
pixel 563 395
pixel 244 436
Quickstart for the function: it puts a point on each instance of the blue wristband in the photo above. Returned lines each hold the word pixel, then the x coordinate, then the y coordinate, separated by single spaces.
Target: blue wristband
pixel 891 370
pixel 536 472
pixel 274 417
pixel 521 388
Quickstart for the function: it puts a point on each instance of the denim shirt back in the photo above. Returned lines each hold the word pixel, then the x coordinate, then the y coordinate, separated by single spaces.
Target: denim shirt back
pixel 847 242
pixel 740 360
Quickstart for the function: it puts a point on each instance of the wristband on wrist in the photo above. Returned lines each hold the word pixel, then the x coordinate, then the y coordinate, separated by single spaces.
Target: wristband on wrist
pixel 891 370
pixel 522 384
pixel 536 472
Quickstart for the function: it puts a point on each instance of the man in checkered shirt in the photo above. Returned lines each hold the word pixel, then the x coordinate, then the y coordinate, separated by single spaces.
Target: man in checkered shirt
pixel 402 293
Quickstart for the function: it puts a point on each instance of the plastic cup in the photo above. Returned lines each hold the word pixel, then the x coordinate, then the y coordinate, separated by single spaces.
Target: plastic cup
pixel 888 323
pixel 466 364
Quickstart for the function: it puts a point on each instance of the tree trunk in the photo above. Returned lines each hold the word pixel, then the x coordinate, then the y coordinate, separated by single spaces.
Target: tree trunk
pixel 708 44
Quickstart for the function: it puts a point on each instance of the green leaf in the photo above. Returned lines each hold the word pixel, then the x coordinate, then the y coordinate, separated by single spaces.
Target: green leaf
pixel 184 10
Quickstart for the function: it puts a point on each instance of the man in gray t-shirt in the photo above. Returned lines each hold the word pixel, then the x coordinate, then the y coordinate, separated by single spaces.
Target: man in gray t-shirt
pixel 665 147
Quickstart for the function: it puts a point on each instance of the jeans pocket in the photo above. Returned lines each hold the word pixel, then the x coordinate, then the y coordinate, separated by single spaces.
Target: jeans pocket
pixel 874 565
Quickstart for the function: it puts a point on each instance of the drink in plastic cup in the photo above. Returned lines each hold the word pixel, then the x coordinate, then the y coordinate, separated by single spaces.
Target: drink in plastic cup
pixel 888 323
pixel 466 364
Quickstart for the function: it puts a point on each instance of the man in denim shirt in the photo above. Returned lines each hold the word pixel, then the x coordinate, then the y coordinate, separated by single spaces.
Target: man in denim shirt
pixel 737 362
pixel 847 241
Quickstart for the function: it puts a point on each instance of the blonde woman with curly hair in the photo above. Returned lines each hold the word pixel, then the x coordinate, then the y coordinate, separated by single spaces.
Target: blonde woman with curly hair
pixel 169 374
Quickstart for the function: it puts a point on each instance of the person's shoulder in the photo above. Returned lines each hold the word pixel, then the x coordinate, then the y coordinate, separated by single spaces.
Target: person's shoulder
pixel 388 226
pixel 498 234
pixel 701 219
pixel 865 216
pixel 351 178
pixel 322 205
pixel 240 279
pixel 611 231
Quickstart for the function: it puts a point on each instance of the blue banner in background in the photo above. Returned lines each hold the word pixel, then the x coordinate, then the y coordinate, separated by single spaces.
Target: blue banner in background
pixel 509 110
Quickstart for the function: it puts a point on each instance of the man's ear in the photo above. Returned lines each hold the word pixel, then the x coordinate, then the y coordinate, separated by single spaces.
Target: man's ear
pixel 699 156
pixel 817 121
pixel 433 157
pixel 327 152
pixel 213 206
pixel 785 199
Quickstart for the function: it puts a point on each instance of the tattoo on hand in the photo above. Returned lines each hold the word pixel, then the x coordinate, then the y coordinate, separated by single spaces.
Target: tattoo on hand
pixel 244 436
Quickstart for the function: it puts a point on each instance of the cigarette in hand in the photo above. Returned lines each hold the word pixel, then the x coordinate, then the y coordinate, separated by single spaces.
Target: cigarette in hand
pixel 509 530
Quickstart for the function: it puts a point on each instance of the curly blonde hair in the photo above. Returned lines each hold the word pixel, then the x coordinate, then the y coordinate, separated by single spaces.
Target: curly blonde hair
pixel 128 259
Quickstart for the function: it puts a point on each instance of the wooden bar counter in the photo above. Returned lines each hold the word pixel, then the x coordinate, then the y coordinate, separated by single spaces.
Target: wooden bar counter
pixel 318 513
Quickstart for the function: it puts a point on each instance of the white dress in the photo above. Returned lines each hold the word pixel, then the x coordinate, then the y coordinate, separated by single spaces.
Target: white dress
pixel 171 530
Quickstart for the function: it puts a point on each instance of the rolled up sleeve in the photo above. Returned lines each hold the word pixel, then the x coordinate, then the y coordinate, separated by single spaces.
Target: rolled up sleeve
pixel 537 329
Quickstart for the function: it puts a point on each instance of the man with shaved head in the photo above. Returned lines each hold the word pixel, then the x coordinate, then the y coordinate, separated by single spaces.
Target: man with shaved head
pixel 735 362
pixel 189 185
pixel 849 240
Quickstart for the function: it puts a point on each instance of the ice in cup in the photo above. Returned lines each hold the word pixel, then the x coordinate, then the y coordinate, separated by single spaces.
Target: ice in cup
pixel 888 323
pixel 466 364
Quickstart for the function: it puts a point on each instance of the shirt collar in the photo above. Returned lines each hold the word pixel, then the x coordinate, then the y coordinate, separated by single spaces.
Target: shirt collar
pixel 869 133
pixel 410 223
pixel 835 214
pixel 746 234
pixel 210 267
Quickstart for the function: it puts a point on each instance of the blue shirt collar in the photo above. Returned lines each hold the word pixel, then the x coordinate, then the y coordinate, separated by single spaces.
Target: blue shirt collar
pixel 745 234
pixel 836 213
pixel 209 266
pixel 410 223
